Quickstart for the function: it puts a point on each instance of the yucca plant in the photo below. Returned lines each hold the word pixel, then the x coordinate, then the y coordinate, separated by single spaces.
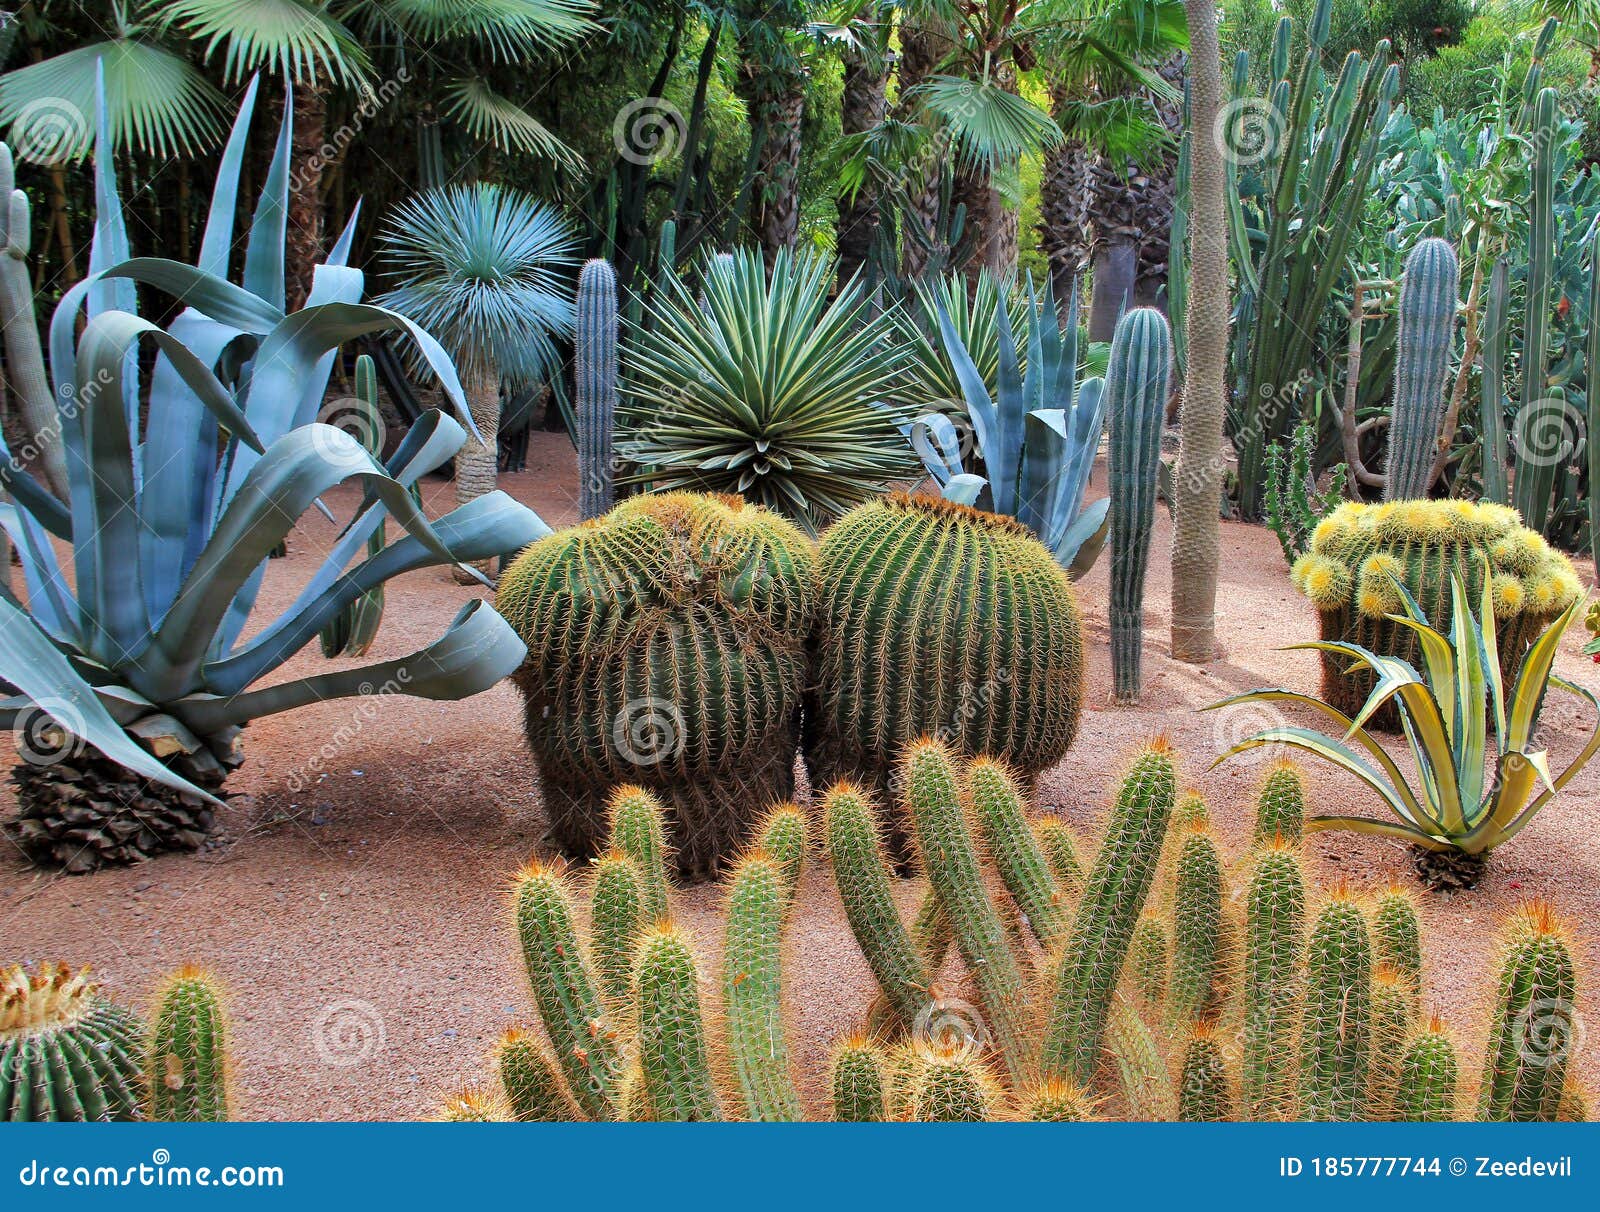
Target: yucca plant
pixel 1036 436
pixel 1462 806
pixel 482 267
pixel 766 389
pixel 929 380
pixel 130 680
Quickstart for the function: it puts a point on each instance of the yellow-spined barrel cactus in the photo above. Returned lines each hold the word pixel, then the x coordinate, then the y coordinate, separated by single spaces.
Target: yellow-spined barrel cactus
pixel 66 1052
pixel 666 647
pixel 934 619
pixel 1357 548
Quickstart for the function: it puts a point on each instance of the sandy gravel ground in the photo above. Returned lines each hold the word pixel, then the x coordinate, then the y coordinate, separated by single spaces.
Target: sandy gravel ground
pixel 357 911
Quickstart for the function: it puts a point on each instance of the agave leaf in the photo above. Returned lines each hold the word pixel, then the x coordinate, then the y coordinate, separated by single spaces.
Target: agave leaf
pixel 1364 824
pixel 1002 449
pixel 1080 544
pixel 933 436
pixel 1533 676
pixel 34 496
pixel 1468 732
pixel 478 650
pixel 214 297
pixel 965 489
pixel 269 226
pixel 1046 468
pixel 37 669
pixel 980 408
pixel 49 600
pixel 1337 753
pixel 109 247
pixel 1489 645
pixel 217 242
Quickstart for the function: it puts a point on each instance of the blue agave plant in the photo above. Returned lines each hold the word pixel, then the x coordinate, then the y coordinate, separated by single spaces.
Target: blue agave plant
pixel 130 680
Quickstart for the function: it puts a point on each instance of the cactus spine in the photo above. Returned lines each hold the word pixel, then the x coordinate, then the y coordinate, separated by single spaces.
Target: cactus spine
pixel 1196 931
pixel 1204 1090
pixel 618 916
pixel 1427 315
pixel 952 1088
pixel 752 988
pixel 858 1079
pixel 1147 961
pixel 1275 909
pixel 1057 1102
pixel 1396 937
pixel 1533 1026
pixel 188 1069
pixel 1010 845
pixel 1136 401
pixel 1393 1017
pixel 66 1053
pixel 1281 808
pixel 672 1038
pixel 1429 1072
pixel 1092 959
pixel 471 1105
pixel 534 1090
pixel 1336 1030
pixel 597 387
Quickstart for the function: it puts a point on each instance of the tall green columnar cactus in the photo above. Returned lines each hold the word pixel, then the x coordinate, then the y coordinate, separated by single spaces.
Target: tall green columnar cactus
pixel 666 648
pixel 1205 1087
pixel 1397 938
pixel 1591 355
pixel 1011 846
pixel 782 838
pixel 66 1053
pixel 1091 961
pixel 24 356
pixel 597 387
pixel 637 828
pixel 936 619
pixel 534 1090
pixel 1534 1026
pixel 1336 1028
pixel 1147 962
pixel 564 989
pixel 353 629
pixel 1275 910
pixel 618 914
pixel 188 1070
pixel 1196 931
pixel 949 856
pixel 1492 397
pixel 1427 315
pixel 858 1081
pixel 1136 401
pixel 1281 806
pixel 861 871
pixel 752 989
pixel 1541 407
pixel 1393 1018
pixel 1429 1072
pixel 1060 848
pixel 672 1037
pixel 952 1088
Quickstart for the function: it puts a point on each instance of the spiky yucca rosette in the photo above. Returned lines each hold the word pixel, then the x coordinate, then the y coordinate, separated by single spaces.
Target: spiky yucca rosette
pixel 938 620
pixel 666 647
pixel 1356 548
pixel 66 1053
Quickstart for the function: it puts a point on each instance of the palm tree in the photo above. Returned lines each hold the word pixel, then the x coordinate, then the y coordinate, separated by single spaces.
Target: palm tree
pixel 483 268
pixel 863 105
pixel 771 82
pixel 1197 478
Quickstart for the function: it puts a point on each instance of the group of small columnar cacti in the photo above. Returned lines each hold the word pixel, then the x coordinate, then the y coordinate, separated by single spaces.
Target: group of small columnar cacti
pixel 1135 984
pixel 67 1052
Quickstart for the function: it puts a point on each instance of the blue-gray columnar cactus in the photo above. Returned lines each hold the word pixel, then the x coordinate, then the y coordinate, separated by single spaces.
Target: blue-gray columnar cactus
pixel 597 386
pixel 1136 401
pixel 1427 326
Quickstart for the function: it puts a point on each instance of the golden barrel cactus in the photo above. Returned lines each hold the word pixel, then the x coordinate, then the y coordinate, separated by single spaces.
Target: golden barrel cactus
pixel 666 648
pixel 1359 551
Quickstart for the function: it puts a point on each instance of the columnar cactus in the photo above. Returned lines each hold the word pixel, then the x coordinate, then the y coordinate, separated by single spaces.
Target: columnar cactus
pixel 66 1053
pixel 1534 1024
pixel 618 918
pixel 1197 928
pixel 936 619
pixel 952 1088
pixel 1281 808
pixel 1275 910
pixel 1396 937
pixel 188 1069
pixel 634 825
pixel 1393 1018
pixel 1336 1027
pixel 535 1092
pixel 1114 897
pixel 782 838
pixel 25 372
pixel 1205 1087
pixel 1060 849
pixel 1011 846
pixel 1136 401
pixel 665 648
pixel 596 345
pixel 858 1081
pixel 1057 1102
pixel 1147 961
pixel 1357 548
pixel 1429 1073
pixel 752 986
pixel 1427 315
pixel 673 1053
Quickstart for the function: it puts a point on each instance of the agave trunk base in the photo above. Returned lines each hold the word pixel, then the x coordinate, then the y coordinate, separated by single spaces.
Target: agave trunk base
pixel 84 811
pixel 1448 869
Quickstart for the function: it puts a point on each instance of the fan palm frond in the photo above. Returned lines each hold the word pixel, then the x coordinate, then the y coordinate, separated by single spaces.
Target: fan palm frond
pixel 297 39
pixel 155 102
pixel 991 126
pixel 482 268
pixel 488 116
pixel 510 29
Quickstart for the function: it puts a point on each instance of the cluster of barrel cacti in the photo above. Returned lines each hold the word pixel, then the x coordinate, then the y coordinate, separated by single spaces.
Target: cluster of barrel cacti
pixel 1137 386
pixel 665 647
pixel 1361 555
pixel 67 1052
pixel 624 1033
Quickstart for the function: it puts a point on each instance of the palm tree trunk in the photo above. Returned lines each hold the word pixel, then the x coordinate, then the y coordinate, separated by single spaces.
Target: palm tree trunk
pixel 305 193
pixel 862 107
pixel 478 464
pixel 775 98
pixel 991 228
pixel 1064 217
pixel 919 55
pixel 1116 273
pixel 1197 479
